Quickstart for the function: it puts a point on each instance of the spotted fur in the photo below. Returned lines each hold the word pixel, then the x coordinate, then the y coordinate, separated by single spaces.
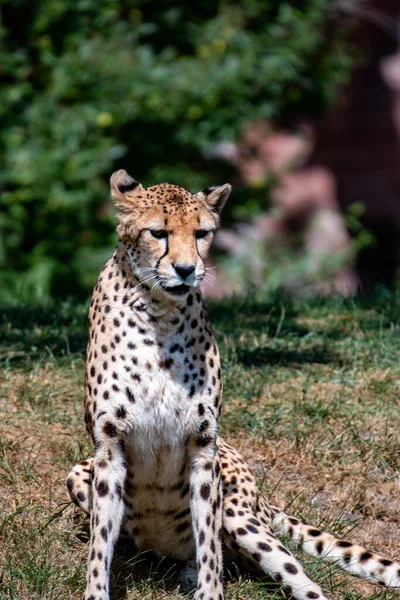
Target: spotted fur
pixel 160 474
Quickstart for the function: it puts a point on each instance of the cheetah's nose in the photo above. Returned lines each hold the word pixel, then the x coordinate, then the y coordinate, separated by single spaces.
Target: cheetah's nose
pixel 184 271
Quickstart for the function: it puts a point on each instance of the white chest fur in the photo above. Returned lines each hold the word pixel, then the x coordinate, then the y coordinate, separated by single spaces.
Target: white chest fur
pixel 156 374
pixel 163 412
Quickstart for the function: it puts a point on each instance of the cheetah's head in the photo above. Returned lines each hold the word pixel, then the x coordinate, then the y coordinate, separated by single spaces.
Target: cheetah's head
pixel 168 230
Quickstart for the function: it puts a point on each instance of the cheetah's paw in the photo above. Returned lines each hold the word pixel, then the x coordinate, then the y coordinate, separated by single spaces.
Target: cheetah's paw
pixel 188 576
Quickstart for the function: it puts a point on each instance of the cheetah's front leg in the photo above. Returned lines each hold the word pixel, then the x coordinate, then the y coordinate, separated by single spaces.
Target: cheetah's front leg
pixel 206 509
pixel 107 510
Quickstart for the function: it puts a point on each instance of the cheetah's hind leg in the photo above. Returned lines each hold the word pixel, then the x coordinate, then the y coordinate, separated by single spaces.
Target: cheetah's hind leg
pixel 79 484
pixel 249 535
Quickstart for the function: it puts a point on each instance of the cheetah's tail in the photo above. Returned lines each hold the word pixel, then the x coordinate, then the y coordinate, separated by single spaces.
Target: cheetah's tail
pixel 350 557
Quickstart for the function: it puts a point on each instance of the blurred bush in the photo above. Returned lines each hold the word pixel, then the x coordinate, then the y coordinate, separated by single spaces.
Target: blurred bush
pixel 89 86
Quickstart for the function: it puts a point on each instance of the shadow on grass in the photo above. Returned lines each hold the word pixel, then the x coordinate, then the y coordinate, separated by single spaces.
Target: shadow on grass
pixel 131 567
pixel 268 356
pixel 148 573
pixel 134 568
pixel 28 331
pixel 278 314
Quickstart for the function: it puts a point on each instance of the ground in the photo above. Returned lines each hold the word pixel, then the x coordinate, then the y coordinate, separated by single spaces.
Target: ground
pixel 311 399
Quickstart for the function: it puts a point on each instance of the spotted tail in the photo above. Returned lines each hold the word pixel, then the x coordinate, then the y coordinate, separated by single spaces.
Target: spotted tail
pixel 350 557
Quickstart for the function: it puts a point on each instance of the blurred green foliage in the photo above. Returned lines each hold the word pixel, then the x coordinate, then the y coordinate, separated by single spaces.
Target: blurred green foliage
pixel 89 86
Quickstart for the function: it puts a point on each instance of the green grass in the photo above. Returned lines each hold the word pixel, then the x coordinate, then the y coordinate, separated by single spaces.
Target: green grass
pixel 311 398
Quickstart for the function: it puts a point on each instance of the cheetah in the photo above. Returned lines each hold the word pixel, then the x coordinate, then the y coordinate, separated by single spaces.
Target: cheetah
pixel 160 474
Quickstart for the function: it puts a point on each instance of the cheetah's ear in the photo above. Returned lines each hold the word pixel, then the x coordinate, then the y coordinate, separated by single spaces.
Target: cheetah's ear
pixel 217 196
pixel 124 189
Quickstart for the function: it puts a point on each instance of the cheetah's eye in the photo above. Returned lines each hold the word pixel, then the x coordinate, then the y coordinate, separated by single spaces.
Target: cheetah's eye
pixel 159 234
pixel 202 233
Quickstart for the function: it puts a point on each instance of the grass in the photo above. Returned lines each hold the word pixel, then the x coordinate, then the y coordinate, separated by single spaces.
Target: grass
pixel 311 399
